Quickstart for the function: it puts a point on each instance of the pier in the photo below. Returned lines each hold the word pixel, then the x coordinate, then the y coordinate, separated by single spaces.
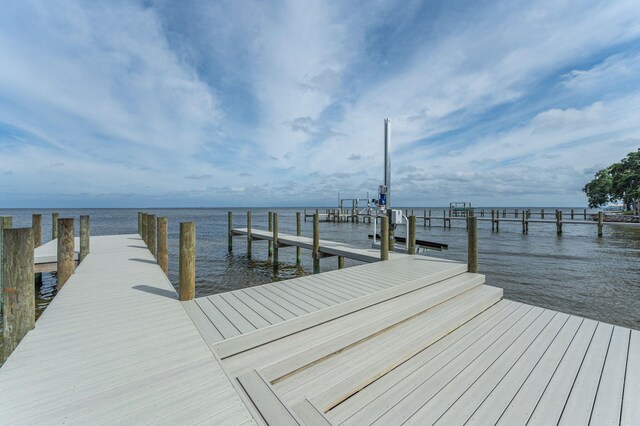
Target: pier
pixel 413 339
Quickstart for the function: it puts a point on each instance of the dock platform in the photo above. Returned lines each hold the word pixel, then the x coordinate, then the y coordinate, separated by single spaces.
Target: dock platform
pixel 46 255
pixel 412 340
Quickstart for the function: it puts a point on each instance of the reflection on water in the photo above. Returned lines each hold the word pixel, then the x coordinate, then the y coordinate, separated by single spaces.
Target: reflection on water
pixel 577 273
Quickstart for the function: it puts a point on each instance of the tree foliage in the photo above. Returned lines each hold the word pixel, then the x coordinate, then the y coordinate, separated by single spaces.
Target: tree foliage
pixel 618 182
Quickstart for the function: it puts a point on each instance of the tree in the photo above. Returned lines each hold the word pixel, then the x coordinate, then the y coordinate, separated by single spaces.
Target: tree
pixel 618 182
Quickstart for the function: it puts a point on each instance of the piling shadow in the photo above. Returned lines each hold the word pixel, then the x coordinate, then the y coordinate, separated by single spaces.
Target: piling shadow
pixel 142 247
pixel 158 291
pixel 135 259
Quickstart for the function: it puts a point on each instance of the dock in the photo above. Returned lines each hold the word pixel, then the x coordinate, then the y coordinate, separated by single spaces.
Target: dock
pixel 46 256
pixel 410 340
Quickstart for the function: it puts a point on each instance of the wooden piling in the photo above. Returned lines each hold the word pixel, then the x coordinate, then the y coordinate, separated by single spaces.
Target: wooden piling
pixel 493 220
pixel 18 292
pixel 249 238
pixel 541 213
pixel 571 214
pixel 411 244
pixel 524 230
pixel 163 244
pixel 84 238
pixel 516 213
pixel 270 228
pixel 54 226
pixel 275 240
pixel 559 222
pixel 187 265
pixel 139 223
pixel 497 220
pixel 526 223
pixel 229 231
pixel 298 233
pixel 472 245
pixel 585 214
pixel 600 222
pixel 316 243
pixel 151 233
pixel 144 228
pixel 305 215
pixel 66 249
pixel 340 262
pixel 36 224
pixel 6 222
pixel 384 238
pixel 444 218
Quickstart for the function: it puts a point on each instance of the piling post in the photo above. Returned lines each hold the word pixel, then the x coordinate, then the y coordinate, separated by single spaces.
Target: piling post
pixel 229 232
pixel 541 213
pixel 6 222
pixel 84 237
pixel 187 264
pixel 340 262
pixel 497 220
pixel 249 239
pixel 444 218
pixel 384 238
pixel 18 292
pixel 493 220
pixel 429 218
pixel 527 221
pixel 298 233
pixel 504 213
pixel 139 223
pixel 66 249
pixel 36 224
pixel 54 226
pixel 270 243
pixel 585 214
pixel 411 244
pixel 424 219
pixel 571 214
pixel 151 233
pixel 163 244
pixel 600 221
pixel 275 240
pixel 316 243
pixel 524 219
pixel 144 228
pixel 305 215
pixel 559 222
pixel 472 234
pixel 516 212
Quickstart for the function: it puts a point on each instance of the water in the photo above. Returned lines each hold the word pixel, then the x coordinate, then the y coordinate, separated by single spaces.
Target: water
pixel 577 273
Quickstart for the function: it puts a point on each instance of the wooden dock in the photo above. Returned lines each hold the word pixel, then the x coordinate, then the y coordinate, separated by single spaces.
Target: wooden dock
pixel 415 340
pixel 46 255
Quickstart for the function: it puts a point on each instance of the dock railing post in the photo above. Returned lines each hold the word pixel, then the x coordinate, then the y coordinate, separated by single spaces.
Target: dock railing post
pixel 275 240
pixel 187 265
pixel 249 239
pixel 571 214
pixel 559 222
pixel 384 237
pixel 84 238
pixel 54 225
pixel 151 233
pixel 444 218
pixel 36 224
pixel 497 220
pixel 526 223
pixel 298 233
pixel 600 221
pixel 163 244
pixel 472 258
pixel 524 219
pixel 316 243
pixel 340 262
pixel 18 292
pixel 144 228
pixel 493 220
pixel 139 223
pixel 66 251
pixel 411 244
pixel 541 213
pixel 270 243
pixel 229 231
pixel 585 214
pixel 6 222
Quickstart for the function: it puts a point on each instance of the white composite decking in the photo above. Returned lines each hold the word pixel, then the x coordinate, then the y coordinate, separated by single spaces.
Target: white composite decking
pixel 115 346
pixel 331 248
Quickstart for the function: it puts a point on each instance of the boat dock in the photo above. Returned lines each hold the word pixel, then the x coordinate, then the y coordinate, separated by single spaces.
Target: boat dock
pixel 410 340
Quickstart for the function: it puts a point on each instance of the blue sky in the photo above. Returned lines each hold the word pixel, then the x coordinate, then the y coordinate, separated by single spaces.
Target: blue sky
pixel 256 103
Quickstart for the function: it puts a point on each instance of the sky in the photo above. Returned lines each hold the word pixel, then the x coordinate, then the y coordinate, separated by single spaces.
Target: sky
pixel 259 103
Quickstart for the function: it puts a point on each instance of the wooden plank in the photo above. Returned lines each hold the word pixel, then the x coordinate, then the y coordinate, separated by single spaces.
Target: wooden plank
pixel 552 401
pixel 239 322
pixel 271 408
pixel 467 366
pixel 310 415
pixel 259 337
pixel 608 404
pixel 579 405
pixel 222 323
pixel 338 342
pixel 537 362
pixel 630 406
pixel 252 316
pixel 257 307
pixel 209 332
pixel 432 325
pixel 374 396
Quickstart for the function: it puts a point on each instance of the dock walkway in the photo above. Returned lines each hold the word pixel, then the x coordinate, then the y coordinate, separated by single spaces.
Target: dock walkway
pixel 115 346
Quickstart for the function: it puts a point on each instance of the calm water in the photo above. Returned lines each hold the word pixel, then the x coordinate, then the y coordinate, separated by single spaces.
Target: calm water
pixel 577 273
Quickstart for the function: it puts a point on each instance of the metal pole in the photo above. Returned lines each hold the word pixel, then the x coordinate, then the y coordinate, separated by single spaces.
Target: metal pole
pixel 387 159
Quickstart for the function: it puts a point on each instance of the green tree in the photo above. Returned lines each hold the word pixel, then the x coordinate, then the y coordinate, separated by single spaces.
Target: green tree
pixel 618 182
